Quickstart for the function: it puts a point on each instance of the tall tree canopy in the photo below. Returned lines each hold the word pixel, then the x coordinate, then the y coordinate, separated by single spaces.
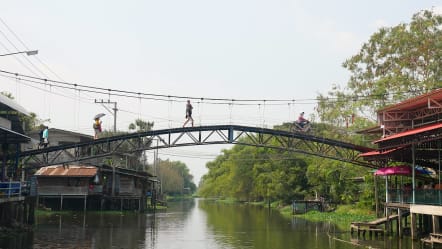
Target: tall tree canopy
pixel 136 160
pixel 175 177
pixel 254 173
pixel 395 64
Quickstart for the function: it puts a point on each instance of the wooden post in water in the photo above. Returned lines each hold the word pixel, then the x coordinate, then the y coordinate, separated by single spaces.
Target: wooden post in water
pixel 32 203
pixel 435 219
pixel 387 221
pixel 376 196
pixel 113 179
pixel 420 220
pixel 399 222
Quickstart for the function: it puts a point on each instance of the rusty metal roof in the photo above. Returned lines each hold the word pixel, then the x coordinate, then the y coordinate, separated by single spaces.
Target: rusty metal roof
pixel 420 101
pixel 412 132
pixel 12 104
pixel 67 171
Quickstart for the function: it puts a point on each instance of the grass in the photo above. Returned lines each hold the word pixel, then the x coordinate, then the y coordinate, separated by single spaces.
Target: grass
pixel 342 216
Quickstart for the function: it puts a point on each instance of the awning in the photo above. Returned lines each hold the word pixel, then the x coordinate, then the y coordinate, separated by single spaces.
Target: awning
pixel 395 170
pixel 11 137
pixel 411 132
pixel 401 170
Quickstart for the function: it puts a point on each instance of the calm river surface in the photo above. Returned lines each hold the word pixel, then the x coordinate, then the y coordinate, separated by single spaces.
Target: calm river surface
pixel 191 224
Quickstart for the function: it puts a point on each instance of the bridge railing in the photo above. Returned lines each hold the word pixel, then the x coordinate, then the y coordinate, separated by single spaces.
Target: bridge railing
pixel 422 196
pixel 10 189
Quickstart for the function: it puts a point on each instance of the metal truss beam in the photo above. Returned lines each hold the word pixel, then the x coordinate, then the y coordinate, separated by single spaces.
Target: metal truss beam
pixel 191 136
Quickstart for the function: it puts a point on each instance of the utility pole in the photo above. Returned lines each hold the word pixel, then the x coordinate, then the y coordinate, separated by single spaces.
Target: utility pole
pixel 114 110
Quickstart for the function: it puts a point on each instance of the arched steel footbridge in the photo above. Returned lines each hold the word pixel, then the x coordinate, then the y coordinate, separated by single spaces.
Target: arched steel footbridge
pixel 191 136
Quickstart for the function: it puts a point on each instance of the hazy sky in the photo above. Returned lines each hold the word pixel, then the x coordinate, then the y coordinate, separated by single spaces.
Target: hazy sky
pixel 220 49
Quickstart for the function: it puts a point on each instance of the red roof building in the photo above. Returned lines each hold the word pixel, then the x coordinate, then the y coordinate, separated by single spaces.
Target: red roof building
pixel 416 122
pixel 411 133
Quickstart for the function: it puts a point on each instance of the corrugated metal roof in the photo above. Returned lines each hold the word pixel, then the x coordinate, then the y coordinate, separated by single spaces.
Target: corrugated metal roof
pixel 10 136
pixel 380 153
pixel 411 132
pixel 12 104
pixel 414 103
pixel 67 171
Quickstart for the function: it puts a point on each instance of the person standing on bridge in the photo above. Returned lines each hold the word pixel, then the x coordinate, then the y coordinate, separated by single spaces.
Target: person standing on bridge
pixel 189 108
pixel 97 127
pixel 45 137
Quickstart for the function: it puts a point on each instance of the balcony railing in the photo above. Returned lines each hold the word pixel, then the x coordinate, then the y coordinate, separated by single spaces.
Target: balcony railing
pixel 10 189
pixel 422 196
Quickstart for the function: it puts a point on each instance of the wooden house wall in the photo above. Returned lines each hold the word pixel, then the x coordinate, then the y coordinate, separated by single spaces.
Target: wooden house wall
pixel 63 186
pixel 124 185
pixel 129 186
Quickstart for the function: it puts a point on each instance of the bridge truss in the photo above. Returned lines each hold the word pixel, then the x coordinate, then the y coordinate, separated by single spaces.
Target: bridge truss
pixel 191 136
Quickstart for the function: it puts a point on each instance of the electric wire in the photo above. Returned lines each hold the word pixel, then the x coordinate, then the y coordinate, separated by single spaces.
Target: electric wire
pixel 73 87
pixel 21 81
pixel 17 59
pixel 125 93
pixel 27 48
pixel 26 58
pixel 181 99
pixel 227 159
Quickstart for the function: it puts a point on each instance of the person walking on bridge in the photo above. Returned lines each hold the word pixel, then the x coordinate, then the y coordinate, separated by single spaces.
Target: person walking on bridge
pixel 45 137
pixel 189 108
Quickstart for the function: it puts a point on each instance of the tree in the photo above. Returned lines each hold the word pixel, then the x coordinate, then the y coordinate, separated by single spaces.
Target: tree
pixel 140 125
pixel 249 173
pixel 395 64
pixel 132 159
pixel 175 177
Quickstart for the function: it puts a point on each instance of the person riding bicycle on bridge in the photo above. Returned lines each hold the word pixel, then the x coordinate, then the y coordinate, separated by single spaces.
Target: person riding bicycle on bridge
pixel 301 120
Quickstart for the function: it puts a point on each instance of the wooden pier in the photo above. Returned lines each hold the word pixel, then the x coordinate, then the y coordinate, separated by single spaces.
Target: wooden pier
pixel 373 227
pixel 434 238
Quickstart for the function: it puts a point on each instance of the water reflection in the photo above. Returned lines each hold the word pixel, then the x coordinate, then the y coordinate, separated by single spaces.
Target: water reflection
pixel 90 231
pixel 191 224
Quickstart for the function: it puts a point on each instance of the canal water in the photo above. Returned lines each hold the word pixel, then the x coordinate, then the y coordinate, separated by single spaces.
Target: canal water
pixel 191 224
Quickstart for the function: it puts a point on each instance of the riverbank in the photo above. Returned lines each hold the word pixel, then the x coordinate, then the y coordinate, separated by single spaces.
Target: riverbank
pixel 342 216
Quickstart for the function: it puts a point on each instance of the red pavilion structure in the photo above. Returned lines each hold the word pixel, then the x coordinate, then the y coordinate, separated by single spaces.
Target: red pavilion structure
pixel 411 133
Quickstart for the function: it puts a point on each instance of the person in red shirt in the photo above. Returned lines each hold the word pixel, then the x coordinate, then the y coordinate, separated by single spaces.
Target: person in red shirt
pixel 301 120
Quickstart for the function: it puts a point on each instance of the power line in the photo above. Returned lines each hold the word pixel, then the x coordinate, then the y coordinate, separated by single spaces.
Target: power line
pixel 27 48
pixel 17 59
pixel 26 83
pixel 26 58
pixel 110 92
pixel 227 159
pixel 176 98
pixel 132 94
